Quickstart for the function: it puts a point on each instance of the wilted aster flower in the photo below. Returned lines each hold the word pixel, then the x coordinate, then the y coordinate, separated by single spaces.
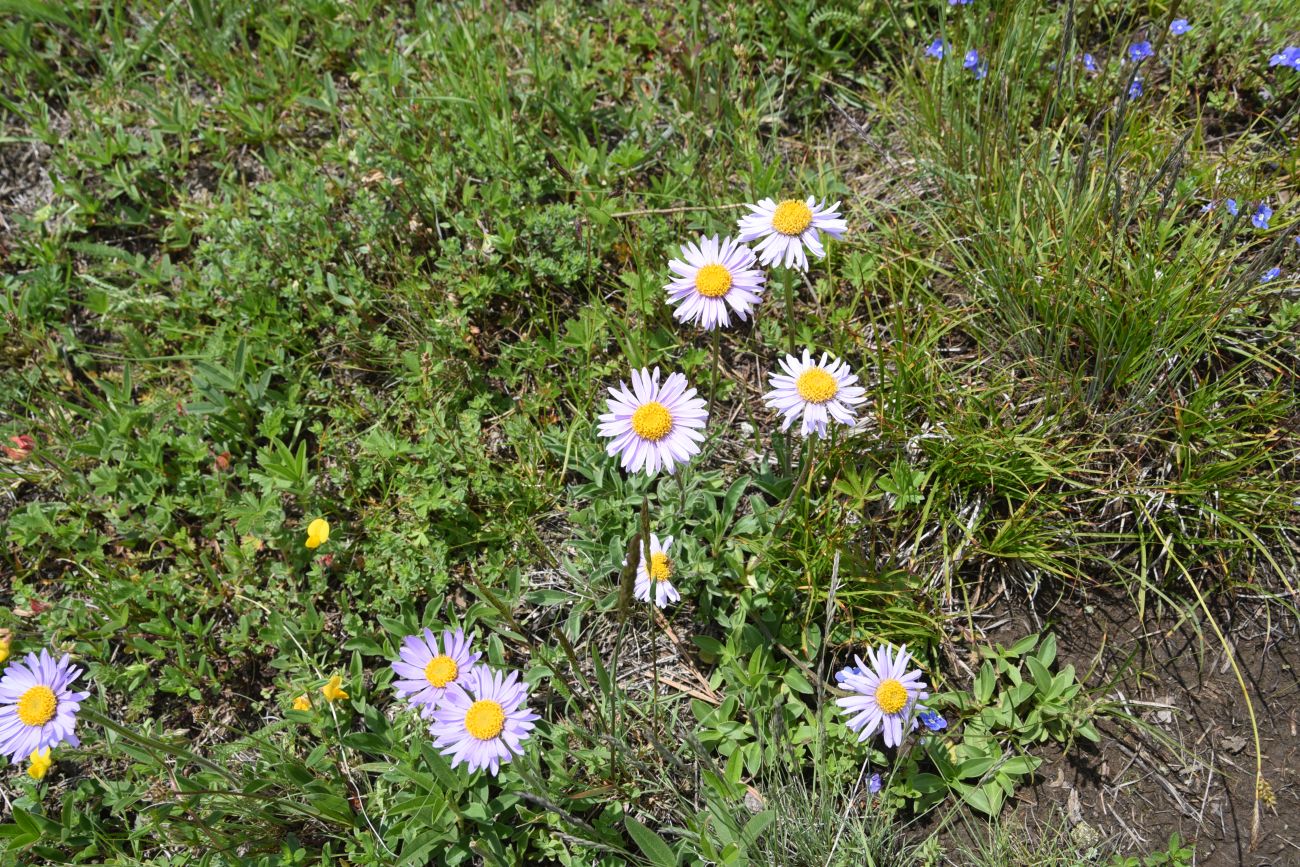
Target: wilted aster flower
pixel 1262 215
pixel 425 670
pixel 1139 51
pixel 653 426
pixel 1231 205
pixel 1135 89
pixel 972 62
pixel 37 707
pixel 483 720
pixel 936 49
pixel 933 720
pixel 1090 64
pixel 1179 26
pixel 1270 274
pixel 716 275
pixel 787 228
pixel 887 694
pixel 1289 56
pixel 819 391
pixel 655 576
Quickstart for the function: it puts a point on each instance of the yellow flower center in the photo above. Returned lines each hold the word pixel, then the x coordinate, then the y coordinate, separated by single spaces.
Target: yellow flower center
pixel 791 217
pixel 652 421
pixel 36 706
pixel 816 385
pixel 713 281
pixel 485 719
pixel 661 568
pixel 441 670
pixel 891 696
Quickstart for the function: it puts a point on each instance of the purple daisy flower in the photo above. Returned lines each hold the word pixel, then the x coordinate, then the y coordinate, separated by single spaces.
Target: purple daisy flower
pixel 1179 26
pixel 657 577
pixel 820 392
pixel 1140 51
pixel 887 695
pixel 483 721
pixel 716 275
pixel 37 708
pixel 653 426
pixel 425 672
pixel 790 227
pixel 1262 215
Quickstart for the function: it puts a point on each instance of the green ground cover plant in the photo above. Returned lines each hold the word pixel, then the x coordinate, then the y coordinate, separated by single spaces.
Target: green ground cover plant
pixel 309 313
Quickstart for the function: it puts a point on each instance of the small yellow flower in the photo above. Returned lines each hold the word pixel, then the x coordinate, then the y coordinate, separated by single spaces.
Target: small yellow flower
pixel 4 645
pixel 302 702
pixel 333 690
pixel 41 762
pixel 318 533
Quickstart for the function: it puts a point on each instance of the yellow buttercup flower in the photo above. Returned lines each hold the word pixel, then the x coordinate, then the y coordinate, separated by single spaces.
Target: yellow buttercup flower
pixel 318 533
pixel 302 702
pixel 333 690
pixel 41 762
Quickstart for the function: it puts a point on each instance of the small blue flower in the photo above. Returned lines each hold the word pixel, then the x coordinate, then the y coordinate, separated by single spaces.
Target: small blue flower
pixel 936 49
pixel 1207 207
pixel 1231 205
pixel 1139 51
pixel 1270 274
pixel 1090 64
pixel 1135 89
pixel 933 720
pixel 1179 26
pixel 1261 216
pixel 846 672
pixel 874 785
pixel 1289 56
pixel 972 62
pixel 958 2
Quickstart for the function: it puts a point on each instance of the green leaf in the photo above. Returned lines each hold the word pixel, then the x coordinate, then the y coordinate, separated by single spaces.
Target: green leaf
pixel 651 844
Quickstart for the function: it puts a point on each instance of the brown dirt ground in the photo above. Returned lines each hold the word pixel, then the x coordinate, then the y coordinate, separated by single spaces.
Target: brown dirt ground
pixel 1200 782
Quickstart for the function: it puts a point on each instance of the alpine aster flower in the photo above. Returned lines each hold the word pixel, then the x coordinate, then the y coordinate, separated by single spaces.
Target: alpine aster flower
pixel 790 227
pixel 887 695
pixel 425 671
pixel 483 720
pixel 716 275
pixel 655 576
pixel 1262 215
pixel 874 785
pixel 820 392
pixel 1139 51
pixel 653 426
pixel 38 708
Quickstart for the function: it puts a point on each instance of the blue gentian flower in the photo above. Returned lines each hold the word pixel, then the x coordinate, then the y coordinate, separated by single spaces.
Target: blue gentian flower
pixel 972 62
pixel 958 2
pixel 1231 205
pixel 1289 56
pixel 846 672
pixel 1179 26
pixel 1270 274
pixel 933 720
pixel 874 785
pixel 1139 51
pixel 1261 216
pixel 1135 89
pixel 1090 64
pixel 936 49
